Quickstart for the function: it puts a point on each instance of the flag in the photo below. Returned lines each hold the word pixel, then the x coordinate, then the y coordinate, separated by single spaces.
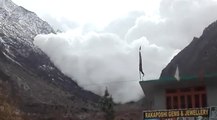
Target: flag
pixel 177 74
pixel 140 63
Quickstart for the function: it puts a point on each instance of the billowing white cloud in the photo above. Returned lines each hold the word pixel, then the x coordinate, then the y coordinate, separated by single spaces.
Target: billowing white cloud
pixel 97 12
pixel 179 21
pixel 60 24
pixel 122 25
pixel 97 60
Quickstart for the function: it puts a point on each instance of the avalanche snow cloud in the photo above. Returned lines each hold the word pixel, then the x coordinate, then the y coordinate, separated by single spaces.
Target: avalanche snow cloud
pixel 99 60
pixel 108 57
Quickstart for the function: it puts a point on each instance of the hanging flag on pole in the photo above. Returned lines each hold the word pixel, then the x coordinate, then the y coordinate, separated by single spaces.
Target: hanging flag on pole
pixel 140 64
pixel 177 74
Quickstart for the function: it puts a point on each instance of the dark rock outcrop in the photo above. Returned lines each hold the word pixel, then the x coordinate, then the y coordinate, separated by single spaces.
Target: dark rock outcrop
pixel 200 56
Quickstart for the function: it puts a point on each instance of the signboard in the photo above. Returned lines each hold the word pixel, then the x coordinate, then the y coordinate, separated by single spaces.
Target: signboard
pixel 181 114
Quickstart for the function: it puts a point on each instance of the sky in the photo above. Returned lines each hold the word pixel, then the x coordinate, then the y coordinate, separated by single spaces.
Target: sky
pixel 99 40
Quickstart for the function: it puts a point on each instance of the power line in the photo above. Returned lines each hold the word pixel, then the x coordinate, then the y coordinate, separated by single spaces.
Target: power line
pixel 110 82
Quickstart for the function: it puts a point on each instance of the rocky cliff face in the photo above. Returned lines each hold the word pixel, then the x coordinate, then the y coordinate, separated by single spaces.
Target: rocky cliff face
pixel 32 76
pixel 200 56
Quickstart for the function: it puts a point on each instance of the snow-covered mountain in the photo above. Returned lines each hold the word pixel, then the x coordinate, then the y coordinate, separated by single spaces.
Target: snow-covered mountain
pixel 31 75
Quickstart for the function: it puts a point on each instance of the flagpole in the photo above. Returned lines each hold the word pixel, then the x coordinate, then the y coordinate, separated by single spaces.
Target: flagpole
pixel 140 76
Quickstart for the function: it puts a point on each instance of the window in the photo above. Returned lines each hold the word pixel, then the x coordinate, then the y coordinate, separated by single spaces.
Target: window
pixel 169 100
pixel 186 98
pixel 182 100
pixel 197 100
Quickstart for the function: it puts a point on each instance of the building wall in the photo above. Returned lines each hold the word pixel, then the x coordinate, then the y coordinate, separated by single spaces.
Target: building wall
pixel 211 94
pixel 159 99
pixel 157 94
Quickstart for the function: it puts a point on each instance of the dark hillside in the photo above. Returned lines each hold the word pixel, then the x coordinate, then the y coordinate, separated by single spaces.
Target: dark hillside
pixel 199 57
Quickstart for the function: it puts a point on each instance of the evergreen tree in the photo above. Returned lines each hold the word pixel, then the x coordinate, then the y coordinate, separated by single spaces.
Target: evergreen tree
pixel 106 105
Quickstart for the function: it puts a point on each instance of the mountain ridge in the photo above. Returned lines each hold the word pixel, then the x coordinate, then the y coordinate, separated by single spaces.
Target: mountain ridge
pixel 200 56
pixel 31 74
